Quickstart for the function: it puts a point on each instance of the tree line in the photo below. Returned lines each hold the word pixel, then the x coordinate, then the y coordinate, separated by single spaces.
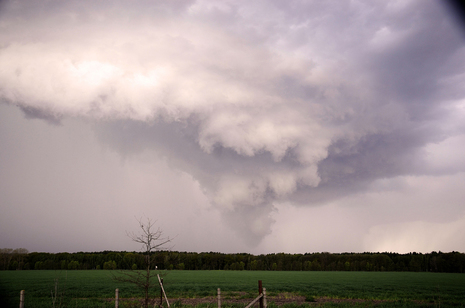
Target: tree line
pixel 19 259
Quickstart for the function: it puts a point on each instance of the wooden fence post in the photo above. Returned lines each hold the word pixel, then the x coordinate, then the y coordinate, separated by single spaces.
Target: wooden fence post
pixel 264 298
pixel 161 292
pixel 219 298
pixel 21 299
pixel 260 291
pixel 116 298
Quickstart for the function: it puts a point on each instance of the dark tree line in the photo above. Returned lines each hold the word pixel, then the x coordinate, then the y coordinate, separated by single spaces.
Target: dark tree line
pixel 451 262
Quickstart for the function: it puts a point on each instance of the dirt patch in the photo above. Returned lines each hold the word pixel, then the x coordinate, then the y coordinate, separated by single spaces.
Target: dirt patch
pixel 243 299
pixel 279 300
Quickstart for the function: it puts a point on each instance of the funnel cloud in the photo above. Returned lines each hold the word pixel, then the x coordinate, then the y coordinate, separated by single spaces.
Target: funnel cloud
pixel 260 120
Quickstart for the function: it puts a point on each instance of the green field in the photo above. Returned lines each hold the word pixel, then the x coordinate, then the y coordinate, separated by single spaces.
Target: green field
pixel 97 288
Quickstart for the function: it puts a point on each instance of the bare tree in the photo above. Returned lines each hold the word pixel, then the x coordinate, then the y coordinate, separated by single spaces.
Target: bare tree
pixel 152 240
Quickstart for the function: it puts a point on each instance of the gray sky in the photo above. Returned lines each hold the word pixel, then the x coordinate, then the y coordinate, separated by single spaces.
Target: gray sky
pixel 240 126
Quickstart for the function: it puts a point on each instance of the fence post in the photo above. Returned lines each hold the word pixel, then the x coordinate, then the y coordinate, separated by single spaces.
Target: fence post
pixel 260 291
pixel 161 292
pixel 116 298
pixel 264 298
pixel 219 298
pixel 21 299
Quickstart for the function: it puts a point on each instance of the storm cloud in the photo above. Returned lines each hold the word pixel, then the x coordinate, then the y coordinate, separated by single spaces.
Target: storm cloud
pixel 266 105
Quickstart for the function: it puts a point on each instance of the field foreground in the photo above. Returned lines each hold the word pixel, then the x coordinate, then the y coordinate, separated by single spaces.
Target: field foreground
pixel 282 299
pixel 199 288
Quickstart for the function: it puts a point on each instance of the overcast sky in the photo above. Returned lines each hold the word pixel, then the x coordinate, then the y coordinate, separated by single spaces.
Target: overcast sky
pixel 240 126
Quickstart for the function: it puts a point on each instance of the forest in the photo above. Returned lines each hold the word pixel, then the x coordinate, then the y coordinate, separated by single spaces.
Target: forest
pixel 21 259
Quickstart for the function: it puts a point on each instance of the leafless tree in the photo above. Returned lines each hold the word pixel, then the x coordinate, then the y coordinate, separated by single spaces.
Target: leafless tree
pixel 152 240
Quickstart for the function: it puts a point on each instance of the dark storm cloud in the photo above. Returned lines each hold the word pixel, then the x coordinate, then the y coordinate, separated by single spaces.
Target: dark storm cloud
pixel 261 102
pixel 36 113
pixel 457 9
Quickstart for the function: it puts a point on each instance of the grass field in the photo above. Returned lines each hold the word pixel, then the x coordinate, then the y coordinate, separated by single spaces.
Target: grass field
pixel 353 289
